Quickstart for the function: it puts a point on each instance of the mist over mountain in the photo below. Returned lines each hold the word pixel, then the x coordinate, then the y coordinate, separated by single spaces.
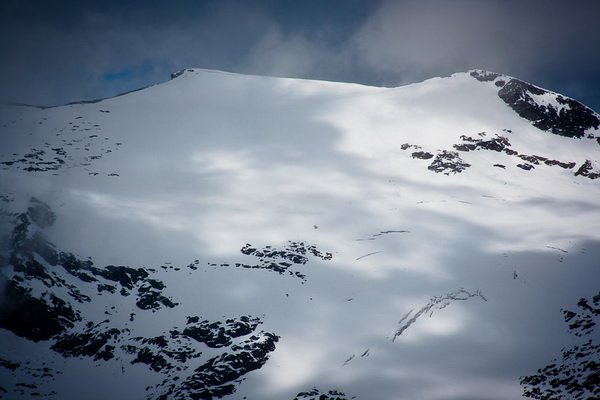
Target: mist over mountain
pixel 235 236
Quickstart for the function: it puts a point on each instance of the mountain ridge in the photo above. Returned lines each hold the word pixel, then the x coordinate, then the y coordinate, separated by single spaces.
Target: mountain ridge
pixel 480 74
pixel 227 236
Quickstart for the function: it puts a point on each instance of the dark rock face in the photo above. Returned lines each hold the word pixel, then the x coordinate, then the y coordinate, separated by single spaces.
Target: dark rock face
pixel 484 76
pixel 9 364
pixel 218 334
pixel 565 165
pixel 407 146
pixel 567 117
pixel 316 394
pixel 575 375
pixel 180 72
pixel 571 120
pixel 150 296
pixel 588 171
pixel 92 343
pixel 79 143
pixel 54 314
pixel 173 353
pixel 526 167
pixel 217 377
pixel 43 317
pixel 448 161
pixel 423 155
pixel 501 144
pixel 33 318
pixel 445 161
pixel 282 261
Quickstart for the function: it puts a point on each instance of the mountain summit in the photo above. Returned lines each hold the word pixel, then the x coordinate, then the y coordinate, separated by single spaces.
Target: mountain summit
pixel 547 111
pixel 231 236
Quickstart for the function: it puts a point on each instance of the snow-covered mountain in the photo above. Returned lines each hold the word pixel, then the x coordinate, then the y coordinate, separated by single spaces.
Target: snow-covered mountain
pixel 231 236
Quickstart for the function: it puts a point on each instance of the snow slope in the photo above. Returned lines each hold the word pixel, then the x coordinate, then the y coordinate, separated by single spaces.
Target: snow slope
pixel 224 235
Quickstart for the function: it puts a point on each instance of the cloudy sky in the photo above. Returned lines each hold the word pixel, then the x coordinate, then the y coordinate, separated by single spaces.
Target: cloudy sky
pixel 68 50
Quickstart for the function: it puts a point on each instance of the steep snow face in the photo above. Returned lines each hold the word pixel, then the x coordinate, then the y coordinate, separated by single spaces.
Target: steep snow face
pixel 232 236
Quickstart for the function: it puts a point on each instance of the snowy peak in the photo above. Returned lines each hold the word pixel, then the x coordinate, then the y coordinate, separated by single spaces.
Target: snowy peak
pixel 546 110
pixel 184 71
pixel 177 74
pixel 230 236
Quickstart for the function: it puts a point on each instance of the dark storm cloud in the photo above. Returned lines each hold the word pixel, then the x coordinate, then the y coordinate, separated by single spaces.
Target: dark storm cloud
pixel 65 55
pixel 65 51
pixel 547 42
